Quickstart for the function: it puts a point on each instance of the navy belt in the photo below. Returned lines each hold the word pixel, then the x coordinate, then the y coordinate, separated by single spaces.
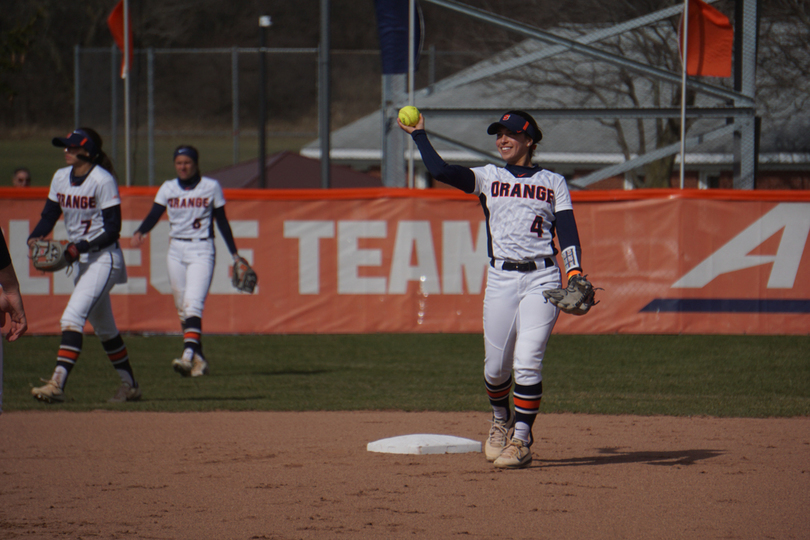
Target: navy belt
pixel 191 239
pixel 528 266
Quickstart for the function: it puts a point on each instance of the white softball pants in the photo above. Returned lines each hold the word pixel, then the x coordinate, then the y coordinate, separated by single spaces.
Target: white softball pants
pixel 94 276
pixel 517 324
pixel 191 268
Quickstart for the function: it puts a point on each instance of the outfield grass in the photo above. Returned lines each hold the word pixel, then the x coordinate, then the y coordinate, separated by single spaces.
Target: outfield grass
pixel 42 158
pixel 726 376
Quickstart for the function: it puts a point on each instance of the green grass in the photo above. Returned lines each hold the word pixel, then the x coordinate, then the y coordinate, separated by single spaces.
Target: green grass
pixel 42 158
pixel 726 376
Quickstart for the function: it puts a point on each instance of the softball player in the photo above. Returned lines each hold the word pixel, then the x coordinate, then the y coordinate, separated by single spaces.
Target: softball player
pixel 524 206
pixel 193 202
pixel 87 194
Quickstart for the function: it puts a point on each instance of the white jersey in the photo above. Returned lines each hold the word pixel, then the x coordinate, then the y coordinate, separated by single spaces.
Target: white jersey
pixel 191 211
pixel 520 211
pixel 82 205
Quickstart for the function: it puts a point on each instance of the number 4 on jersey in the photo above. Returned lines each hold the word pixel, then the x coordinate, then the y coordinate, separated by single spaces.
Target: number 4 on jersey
pixel 537 226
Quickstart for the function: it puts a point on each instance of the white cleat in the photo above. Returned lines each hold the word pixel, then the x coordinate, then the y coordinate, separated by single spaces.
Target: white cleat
pixel 199 366
pixel 498 438
pixel 126 392
pixel 183 365
pixel 49 393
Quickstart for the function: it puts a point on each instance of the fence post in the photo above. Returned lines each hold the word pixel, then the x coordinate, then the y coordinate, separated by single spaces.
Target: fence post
pixel 324 82
pixel 235 101
pixel 432 66
pixel 76 86
pixel 114 101
pixel 150 106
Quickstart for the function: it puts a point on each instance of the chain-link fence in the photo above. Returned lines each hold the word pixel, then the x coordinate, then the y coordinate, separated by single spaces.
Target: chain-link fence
pixel 210 97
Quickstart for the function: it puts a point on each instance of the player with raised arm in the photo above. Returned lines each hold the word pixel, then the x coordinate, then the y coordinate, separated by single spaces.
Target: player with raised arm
pixel 86 193
pixel 524 206
pixel 193 203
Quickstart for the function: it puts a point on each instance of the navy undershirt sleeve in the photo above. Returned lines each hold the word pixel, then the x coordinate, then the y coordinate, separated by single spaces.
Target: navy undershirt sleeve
pixel 152 218
pixel 48 218
pixel 5 256
pixel 112 230
pixel 225 228
pixel 455 175
pixel 566 226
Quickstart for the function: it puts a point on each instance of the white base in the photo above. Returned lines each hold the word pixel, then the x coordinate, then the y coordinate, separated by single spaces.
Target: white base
pixel 423 443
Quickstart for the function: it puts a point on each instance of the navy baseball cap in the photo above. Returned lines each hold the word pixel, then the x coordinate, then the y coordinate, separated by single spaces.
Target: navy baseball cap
pixel 516 124
pixel 77 139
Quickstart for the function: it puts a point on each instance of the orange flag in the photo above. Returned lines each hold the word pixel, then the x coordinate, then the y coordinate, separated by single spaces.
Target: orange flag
pixel 116 23
pixel 710 41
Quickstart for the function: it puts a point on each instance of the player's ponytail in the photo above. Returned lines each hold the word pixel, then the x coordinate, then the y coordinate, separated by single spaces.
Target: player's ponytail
pixel 99 157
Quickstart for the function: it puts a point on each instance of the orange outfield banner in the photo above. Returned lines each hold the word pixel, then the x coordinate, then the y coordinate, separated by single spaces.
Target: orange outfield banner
pixel 396 260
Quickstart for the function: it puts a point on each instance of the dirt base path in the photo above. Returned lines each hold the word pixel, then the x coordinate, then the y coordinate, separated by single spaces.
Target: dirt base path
pixel 268 475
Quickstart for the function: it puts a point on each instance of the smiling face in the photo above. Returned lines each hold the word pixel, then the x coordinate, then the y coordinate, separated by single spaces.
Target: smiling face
pixel 514 147
pixel 185 167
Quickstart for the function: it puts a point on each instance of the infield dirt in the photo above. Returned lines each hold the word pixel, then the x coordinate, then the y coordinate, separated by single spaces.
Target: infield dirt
pixel 279 475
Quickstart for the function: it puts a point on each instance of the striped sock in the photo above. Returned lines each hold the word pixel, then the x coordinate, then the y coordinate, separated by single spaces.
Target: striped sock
pixel 192 334
pixel 68 355
pixel 499 399
pixel 527 405
pixel 118 355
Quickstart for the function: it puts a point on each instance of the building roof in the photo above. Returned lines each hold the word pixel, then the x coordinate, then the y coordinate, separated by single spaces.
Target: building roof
pixel 288 170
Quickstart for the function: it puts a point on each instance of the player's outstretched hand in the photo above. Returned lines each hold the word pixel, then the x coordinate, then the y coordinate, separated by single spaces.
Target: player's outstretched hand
pixel 410 129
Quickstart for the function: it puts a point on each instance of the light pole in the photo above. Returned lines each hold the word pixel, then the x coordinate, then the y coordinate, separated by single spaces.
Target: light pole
pixel 264 23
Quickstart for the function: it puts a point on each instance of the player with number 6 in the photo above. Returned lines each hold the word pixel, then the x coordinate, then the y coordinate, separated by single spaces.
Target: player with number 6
pixel 524 206
pixel 193 203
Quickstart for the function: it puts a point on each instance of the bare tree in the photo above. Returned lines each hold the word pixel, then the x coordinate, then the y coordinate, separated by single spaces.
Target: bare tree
pixel 15 41
pixel 568 80
pixel 783 71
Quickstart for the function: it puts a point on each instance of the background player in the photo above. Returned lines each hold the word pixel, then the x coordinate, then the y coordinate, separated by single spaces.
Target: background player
pixel 87 194
pixel 523 205
pixel 21 177
pixel 193 202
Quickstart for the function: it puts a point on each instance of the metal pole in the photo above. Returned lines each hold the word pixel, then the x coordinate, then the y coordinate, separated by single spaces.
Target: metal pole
pixel 235 101
pixel 432 66
pixel 264 22
pixel 76 86
pixel 683 84
pixel 411 21
pixel 324 82
pixel 150 84
pixel 746 32
pixel 126 93
pixel 114 101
